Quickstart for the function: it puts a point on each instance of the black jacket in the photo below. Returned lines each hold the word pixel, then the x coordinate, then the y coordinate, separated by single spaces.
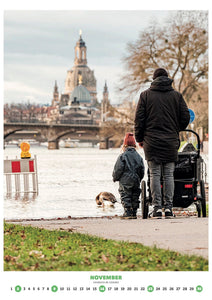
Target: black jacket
pixel 129 168
pixel 161 113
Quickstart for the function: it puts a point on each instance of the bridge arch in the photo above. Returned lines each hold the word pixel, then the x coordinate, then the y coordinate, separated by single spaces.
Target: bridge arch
pixel 81 135
pixel 37 132
pixel 11 132
pixel 54 132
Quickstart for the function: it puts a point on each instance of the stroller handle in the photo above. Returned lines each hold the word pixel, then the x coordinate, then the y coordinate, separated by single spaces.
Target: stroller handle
pixel 198 139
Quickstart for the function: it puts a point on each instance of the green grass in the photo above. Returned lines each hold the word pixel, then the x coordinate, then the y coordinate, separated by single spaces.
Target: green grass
pixel 34 249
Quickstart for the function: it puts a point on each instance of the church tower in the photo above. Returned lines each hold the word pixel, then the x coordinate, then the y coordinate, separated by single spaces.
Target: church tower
pixel 80 52
pixel 55 100
pixel 81 70
pixel 105 93
pixel 105 102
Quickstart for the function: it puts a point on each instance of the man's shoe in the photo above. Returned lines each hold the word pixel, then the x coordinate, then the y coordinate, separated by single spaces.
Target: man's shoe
pixel 127 214
pixel 169 214
pixel 157 214
pixel 134 213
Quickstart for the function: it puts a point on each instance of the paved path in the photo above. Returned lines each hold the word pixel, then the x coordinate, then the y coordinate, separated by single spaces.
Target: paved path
pixel 187 235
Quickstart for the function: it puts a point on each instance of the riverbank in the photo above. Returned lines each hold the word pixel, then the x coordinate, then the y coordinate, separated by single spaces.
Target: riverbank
pixel 186 235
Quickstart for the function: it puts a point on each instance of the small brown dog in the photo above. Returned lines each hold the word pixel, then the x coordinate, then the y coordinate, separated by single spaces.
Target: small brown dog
pixel 105 198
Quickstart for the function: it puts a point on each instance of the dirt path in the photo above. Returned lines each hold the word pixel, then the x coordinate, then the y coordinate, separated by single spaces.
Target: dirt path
pixel 188 235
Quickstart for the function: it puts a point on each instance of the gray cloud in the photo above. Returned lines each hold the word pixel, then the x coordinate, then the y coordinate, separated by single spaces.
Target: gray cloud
pixel 39 47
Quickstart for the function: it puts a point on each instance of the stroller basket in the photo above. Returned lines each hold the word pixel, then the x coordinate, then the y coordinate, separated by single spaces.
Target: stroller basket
pixel 185 167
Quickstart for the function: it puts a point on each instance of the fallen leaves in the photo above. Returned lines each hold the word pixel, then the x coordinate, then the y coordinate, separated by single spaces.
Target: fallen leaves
pixel 33 249
pixel 70 263
pixel 9 258
pixel 23 236
pixel 105 258
pixel 35 267
pixel 87 261
pixel 36 253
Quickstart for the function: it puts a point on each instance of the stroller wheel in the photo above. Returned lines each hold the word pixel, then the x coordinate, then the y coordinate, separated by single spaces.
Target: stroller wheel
pixel 198 206
pixel 144 203
pixel 203 201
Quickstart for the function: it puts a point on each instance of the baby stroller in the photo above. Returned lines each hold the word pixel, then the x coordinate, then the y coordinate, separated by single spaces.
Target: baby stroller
pixel 189 173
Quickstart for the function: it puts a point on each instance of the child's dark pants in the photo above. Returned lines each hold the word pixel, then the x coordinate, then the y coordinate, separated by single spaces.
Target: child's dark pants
pixel 130 195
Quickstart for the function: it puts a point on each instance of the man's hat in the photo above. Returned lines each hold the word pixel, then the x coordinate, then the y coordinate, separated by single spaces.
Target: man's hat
pixel 160 72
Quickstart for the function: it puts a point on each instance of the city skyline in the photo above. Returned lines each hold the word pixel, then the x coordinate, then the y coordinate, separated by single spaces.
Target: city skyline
pixel 39 48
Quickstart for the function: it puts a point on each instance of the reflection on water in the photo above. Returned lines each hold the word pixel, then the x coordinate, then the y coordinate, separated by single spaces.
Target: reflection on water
pixel 25 198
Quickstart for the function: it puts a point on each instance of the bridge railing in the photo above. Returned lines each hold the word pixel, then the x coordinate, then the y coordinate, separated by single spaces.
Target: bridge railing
pixel 81 122
pixel 68 122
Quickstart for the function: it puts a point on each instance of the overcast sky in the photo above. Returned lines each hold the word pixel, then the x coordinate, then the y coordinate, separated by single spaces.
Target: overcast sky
pixel 39 48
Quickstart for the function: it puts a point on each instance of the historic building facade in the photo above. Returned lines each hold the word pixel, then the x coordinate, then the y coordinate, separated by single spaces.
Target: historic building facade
pixel 79 101
pixel 81 72
pixel 105 103
pixel 56 98
pixel 80 79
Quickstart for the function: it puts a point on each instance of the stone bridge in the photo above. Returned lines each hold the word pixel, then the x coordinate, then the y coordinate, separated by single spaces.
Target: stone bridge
pixel 53 132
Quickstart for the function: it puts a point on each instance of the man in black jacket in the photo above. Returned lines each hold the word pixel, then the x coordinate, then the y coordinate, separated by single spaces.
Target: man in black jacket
pixel 161 113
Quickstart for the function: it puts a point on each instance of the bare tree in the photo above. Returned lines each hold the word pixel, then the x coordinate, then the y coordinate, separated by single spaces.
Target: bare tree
pixel 181 47
pixel 119 120
pixel 199 104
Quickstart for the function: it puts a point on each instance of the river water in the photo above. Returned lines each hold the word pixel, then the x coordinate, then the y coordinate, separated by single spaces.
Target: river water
pixel 69 180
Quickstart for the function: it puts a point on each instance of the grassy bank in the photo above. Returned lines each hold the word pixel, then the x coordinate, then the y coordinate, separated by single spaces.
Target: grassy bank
pixel 34 249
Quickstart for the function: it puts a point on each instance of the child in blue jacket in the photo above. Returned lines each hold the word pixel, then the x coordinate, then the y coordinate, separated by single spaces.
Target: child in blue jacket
pixel 129 171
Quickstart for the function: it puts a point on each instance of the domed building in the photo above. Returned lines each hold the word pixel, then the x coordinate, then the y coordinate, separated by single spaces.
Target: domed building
pixel 79 101
pixel 80 68
pixel 81 93
pixel 80 74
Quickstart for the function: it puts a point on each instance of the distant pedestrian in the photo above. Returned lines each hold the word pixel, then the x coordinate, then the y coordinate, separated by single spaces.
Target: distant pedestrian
pixel 201 146
pixel 129 171
pixel 160 115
